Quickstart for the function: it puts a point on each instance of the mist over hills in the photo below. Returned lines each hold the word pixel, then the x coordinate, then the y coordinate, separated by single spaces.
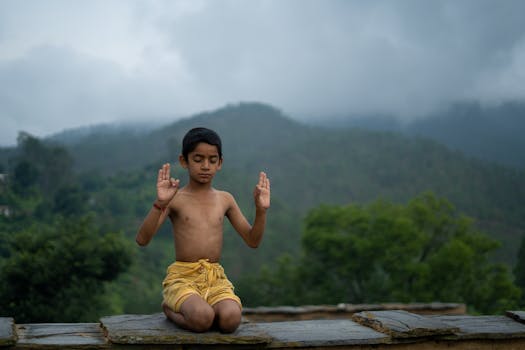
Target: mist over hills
pixel 492 133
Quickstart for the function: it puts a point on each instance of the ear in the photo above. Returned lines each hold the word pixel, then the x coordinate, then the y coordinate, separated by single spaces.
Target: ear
pixel 220 164
pixel 183 162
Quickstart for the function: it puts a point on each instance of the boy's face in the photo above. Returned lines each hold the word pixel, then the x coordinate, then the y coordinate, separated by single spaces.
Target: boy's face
pixel 203 162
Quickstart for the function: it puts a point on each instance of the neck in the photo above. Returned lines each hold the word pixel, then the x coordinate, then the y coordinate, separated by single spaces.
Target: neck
pixel 195 186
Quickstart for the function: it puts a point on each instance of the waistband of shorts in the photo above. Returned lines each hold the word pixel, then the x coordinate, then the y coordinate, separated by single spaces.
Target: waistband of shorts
pixel 192 265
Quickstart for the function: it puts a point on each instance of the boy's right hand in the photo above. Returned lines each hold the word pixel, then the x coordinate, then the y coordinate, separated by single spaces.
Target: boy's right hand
pixel 166 187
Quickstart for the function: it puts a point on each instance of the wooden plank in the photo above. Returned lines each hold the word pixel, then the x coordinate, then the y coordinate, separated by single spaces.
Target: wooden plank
pixel 156 329
pixel 402 324
pixel 320 333
pixel 61 335
pixel 516 315
pixel 484 327
pixel 7 333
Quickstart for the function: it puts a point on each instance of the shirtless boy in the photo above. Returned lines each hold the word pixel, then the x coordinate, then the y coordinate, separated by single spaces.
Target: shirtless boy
pixel 197 293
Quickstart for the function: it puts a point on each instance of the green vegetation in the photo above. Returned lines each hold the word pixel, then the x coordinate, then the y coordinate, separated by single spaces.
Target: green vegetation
pixel 55 261
pixel 67 200
pixel 421 252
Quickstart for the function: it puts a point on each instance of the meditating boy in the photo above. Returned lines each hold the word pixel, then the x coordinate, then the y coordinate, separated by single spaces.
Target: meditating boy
pixel 197 293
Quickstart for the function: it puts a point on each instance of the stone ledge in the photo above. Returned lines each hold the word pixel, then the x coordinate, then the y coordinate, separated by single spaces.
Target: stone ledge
pixel 395 329
pixel 345 311
pixel 156 329
pixel 7 331
pixel 60 335
pixel 402 324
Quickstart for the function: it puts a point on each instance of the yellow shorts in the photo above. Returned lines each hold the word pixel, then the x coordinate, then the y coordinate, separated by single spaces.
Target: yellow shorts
pixel 202 278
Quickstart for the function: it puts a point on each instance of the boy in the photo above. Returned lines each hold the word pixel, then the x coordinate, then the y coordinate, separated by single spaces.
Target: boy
pixel 197 293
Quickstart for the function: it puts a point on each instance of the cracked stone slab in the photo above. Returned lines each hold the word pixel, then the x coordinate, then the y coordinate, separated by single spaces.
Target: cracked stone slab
pixel 516 315
pixel 7 333
pixel 65 335
pixel 320 333
pixel 402 324
pixel 157 329
pixel 484 327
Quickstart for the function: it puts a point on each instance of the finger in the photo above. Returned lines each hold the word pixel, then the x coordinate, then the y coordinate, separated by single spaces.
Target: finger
pixel 167 173
pixel 267 184
pixel 163 174
pixel 160 176
pixel 265 180
pixel 174 183
pixel 262 177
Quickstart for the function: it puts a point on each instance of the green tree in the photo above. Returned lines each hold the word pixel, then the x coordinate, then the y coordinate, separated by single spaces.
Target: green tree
pixel 70 200
pixel 519 270
pixel 382 252
pixel 57 273
pixel 49 166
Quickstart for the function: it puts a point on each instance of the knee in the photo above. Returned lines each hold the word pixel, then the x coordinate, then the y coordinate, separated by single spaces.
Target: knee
pixel 229 319
pixel 200 319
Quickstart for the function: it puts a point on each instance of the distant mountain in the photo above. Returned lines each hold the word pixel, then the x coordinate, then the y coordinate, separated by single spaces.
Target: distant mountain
pixel 246 128
pixel 489 133
pixel 76 135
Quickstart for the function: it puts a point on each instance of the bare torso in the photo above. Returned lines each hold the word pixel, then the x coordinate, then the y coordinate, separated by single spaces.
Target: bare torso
pixel 197 220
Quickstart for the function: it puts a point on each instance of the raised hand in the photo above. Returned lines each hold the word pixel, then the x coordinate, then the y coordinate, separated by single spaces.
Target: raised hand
pixel 261 193
pixel 167 186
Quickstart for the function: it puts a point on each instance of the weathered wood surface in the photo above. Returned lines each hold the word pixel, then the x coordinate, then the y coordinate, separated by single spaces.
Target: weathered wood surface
pixel 516 315
pixel 484 327
pixel 64 335
pixel 7 334
pixel 402 324
pixel 156 329
pixel 320 333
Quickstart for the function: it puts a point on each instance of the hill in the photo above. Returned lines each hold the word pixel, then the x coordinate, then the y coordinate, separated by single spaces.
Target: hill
pixel 491 133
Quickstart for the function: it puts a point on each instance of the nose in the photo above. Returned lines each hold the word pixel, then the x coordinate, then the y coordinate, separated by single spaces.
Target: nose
pixel 205 164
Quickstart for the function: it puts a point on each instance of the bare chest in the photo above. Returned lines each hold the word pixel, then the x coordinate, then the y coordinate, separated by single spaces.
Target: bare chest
pixel 198 212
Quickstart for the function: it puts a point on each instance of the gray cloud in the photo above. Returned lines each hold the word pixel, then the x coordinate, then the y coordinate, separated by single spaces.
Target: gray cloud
pixel 66 64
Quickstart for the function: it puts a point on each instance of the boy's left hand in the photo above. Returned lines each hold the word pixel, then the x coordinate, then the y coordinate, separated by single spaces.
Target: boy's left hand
pixel 261 193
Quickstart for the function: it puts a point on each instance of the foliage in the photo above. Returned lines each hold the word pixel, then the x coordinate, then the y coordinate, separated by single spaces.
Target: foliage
pixel 58 272
pixel 48 166
pixel 55 263
pixel 519 270
pixel 381 252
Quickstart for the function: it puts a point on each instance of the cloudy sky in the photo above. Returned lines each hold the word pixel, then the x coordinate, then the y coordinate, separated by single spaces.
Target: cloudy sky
pixel 69 63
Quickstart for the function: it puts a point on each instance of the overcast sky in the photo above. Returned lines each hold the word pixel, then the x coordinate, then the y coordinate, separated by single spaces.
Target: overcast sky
pixel 70 63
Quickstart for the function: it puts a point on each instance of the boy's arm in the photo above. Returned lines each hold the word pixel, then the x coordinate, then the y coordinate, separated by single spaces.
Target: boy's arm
pixel 151 224
pixel 252 234
pixel 166 189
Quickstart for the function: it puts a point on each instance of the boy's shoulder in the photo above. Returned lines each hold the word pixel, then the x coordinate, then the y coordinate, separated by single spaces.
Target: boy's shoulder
pixel 225 196
pixel 223 193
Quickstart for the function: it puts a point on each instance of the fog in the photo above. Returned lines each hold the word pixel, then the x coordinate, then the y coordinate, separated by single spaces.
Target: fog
pixel 65 64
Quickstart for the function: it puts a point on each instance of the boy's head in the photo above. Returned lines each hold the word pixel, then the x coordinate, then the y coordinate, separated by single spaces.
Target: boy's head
pixel 197 135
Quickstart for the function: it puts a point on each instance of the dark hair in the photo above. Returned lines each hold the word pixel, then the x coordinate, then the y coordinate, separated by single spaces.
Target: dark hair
pixel 197 135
